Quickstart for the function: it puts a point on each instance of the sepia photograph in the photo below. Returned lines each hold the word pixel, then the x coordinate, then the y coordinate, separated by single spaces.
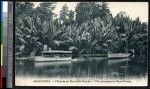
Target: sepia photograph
pixel 81 43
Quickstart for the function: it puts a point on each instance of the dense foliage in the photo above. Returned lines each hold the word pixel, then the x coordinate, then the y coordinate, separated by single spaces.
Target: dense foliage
pixel 89 29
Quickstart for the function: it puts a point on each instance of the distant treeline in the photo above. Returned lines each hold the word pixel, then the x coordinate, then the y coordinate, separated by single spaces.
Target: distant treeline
pixel 91 28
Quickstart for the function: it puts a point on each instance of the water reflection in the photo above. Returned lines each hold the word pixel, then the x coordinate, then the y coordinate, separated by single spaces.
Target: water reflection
pixel 92 67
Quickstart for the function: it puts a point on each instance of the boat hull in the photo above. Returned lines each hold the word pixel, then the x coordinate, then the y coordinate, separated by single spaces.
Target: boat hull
pixel 48 59
pixel 109 55
pixel 118 55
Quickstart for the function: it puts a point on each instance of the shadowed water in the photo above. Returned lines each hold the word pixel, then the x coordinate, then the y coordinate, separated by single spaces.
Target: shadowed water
pixel 91 67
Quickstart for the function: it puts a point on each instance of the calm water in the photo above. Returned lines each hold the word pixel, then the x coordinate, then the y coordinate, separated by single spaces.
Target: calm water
pixel 91 67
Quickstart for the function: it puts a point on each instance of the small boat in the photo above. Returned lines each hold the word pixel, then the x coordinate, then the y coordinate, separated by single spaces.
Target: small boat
pixel 54 55
pixel 118 55
pixel 109 55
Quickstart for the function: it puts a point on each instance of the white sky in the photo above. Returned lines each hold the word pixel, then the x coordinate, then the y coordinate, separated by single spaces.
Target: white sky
pixel 5 6
pixel 133 9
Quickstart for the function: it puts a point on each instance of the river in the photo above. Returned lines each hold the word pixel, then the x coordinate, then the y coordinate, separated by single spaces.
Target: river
pixel 85 68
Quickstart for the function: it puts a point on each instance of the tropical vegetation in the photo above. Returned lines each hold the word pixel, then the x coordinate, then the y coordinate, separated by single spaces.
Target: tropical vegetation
pixel 90 29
